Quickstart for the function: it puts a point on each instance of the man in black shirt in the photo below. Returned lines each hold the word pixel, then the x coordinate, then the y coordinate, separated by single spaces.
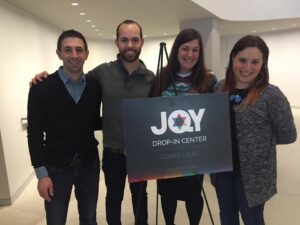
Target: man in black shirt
pixel 63 112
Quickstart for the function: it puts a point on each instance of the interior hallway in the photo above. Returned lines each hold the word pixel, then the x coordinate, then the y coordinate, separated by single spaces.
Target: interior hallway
pixel 283 209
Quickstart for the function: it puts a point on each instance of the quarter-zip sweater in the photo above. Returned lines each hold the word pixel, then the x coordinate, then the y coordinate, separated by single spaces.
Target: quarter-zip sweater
pixel 117 85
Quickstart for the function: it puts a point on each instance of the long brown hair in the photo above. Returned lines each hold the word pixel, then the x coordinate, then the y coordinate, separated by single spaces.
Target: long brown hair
pixel 200 76
pixel 262 79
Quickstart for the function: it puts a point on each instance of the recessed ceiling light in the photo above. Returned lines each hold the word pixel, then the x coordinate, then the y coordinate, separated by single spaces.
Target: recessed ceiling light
pixel 274 28
pixel 96 30
pixel 294 25
pixel 74 3
pixel 254 31
pixel 82 13
pixel 93 25
pixel 88 21
pixel 165 34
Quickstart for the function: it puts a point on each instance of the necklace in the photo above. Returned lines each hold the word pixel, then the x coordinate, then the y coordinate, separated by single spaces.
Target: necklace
pixel 235 98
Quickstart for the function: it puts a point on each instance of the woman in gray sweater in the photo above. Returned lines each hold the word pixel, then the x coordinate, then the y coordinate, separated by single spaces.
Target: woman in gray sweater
pixel 261 118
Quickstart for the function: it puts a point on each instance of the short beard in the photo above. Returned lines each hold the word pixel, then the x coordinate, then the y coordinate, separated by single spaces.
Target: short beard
pixel 123 56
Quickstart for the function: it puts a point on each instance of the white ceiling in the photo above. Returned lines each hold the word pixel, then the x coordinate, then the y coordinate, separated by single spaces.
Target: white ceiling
pixel 157 17
pixel 254 10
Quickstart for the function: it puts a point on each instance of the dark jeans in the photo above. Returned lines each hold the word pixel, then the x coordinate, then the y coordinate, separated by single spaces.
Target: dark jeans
pixel 85 179
pixel 115 172
pixel 232 200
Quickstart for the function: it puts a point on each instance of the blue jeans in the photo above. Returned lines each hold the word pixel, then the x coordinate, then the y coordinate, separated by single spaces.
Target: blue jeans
pixel 232 200
pixel 115 172
pixel 85 179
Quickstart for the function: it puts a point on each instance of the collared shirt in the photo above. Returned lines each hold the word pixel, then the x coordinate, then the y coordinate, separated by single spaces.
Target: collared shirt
pixel 75 89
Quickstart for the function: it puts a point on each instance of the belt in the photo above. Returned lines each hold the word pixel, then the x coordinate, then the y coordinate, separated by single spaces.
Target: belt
pixel 114 150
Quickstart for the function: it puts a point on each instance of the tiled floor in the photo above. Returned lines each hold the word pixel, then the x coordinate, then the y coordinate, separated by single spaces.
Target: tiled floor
pixel 283 209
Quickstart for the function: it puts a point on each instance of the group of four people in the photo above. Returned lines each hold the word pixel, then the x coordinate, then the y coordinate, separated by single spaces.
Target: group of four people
pixel 64 112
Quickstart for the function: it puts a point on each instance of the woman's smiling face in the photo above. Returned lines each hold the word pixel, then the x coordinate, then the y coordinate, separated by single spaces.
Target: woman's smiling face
pixel 246 66
pixel 188 55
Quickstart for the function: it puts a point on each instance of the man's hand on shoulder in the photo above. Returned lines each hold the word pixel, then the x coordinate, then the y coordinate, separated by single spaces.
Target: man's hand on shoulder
pixel 38 78
pixel 45 188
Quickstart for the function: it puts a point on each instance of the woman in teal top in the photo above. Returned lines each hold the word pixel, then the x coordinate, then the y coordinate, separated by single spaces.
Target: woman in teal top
pixel 187 69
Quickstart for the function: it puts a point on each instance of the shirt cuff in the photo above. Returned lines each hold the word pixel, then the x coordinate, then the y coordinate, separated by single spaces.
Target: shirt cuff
pixel 41 172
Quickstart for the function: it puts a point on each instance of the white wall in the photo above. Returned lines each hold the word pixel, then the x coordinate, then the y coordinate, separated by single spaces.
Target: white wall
pixel 27 47
pixel 236 10
pixel 151 48
pixel 100 51
pixel 284 66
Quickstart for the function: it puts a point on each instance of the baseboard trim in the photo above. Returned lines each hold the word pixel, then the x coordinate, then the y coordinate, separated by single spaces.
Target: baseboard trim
pixel 16 195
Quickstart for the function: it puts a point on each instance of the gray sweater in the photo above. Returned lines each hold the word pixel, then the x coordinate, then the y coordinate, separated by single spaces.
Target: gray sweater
pixel 117 85
pixel 259 129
